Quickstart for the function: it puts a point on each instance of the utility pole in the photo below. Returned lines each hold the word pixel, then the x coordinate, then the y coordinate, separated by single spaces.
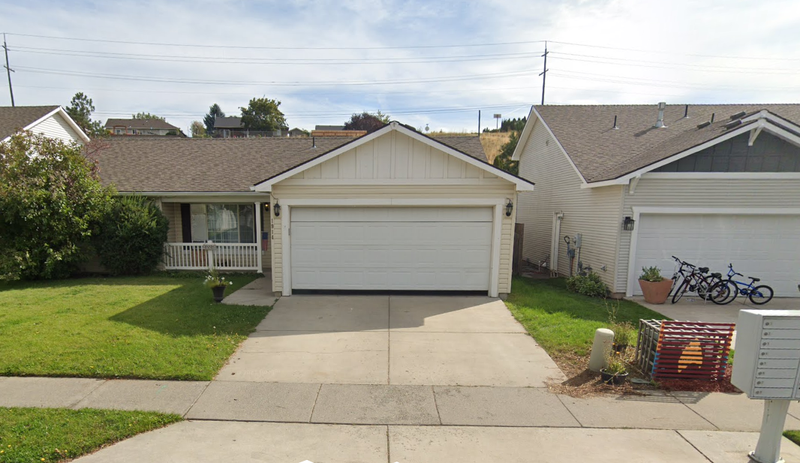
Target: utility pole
pixel 544 73
pixel 8 71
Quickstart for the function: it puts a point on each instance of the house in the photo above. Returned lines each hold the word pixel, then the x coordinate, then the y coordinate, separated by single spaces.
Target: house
pixel 392 210
pixel 298 132
pixel 711 184
pixel 141 127
pixel 51 121
pixel 328 128
pixel 232 127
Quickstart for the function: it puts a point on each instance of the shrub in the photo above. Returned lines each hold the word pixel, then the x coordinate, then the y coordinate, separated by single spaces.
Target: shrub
pixel 588 285
pixel 652 274
pixel 624 334
pixel 132 236
pixel 52 203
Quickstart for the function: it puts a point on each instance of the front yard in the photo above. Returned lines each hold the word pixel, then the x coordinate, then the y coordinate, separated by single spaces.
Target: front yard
pixel 155 327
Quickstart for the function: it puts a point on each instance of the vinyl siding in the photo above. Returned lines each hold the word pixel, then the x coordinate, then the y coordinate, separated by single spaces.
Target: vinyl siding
pixel 728 193
pixel 56 127
pixel 275 247
pixel 595 213
pixel 173 213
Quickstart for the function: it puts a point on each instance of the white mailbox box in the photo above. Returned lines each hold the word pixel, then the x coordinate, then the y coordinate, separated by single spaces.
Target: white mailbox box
pixel 766 367
pixel 767 356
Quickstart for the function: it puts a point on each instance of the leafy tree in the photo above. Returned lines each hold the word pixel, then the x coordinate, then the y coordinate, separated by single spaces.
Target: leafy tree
pixel 198 130
pixel 263 114
pixel 52 203
pixel 367 121
pixel 80 109
pixel 213 112
pixel 146 116
pixel 132 236
pixel 503 160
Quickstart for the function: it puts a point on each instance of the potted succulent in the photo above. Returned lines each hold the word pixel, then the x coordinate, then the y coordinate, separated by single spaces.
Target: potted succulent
pixel 654 287
pixel 624 336
pixel 217 284
pixel 615 371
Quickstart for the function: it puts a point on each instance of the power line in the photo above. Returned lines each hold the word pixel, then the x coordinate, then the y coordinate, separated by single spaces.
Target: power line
pixel 672 66
pixel 637 50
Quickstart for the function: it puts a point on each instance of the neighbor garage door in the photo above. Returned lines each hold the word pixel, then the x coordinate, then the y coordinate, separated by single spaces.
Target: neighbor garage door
pixel 764 246
pixel 399 248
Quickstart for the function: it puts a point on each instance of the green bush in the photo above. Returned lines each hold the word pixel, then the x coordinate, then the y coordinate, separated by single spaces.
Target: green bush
pixel 588 285
pixel 132 236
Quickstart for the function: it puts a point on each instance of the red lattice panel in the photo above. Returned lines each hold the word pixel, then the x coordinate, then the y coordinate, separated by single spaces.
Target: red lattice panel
pixel 693 350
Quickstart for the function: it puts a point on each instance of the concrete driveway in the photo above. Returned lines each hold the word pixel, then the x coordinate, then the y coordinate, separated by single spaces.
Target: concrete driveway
pixel 398 340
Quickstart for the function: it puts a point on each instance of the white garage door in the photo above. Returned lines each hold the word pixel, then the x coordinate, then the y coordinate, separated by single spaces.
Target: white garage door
pixel 764 246
pixel 391 248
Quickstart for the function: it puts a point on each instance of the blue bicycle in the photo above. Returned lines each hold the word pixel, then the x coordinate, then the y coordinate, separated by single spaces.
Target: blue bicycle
pixel 725 291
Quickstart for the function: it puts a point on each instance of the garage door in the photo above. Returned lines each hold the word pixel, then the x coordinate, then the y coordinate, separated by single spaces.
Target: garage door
pixel 764 246
pixel 391 248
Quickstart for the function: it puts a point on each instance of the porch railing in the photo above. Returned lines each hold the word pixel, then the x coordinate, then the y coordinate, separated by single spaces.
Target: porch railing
pixel 222 256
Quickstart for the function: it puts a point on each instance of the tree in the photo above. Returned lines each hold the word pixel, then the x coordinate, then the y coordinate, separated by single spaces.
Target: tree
pixel 52 203
pixel 147 116
pixel 198 130
pixel 132 236
pixel 503 160
pixel 213 112
pixel 80 109
pixel 367 121
pixel 263 114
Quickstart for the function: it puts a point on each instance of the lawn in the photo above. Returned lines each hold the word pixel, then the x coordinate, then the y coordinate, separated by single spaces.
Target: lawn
pixel 155 327
pixel 793 436
pixel 56 434
pixel 562 322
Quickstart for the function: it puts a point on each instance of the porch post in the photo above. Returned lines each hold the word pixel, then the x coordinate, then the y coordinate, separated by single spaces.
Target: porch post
pixel 258 238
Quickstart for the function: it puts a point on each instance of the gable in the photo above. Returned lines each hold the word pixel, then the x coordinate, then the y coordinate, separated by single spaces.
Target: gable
pixel 768 154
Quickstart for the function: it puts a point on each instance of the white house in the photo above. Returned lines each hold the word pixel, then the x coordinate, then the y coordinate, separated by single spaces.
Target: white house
pixel 711 184
pixel 51 121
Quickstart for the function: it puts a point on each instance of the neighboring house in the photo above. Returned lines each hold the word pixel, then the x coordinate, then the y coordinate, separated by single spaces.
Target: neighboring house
pixel 141 127
pixel 338 133
pixel 297 132
pixel 232 127
pixel 392 210
pixel 328 128
pixel 51 121
pixel 711 184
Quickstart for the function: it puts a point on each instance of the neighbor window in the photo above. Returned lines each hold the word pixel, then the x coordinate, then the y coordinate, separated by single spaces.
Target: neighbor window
pixel 223 223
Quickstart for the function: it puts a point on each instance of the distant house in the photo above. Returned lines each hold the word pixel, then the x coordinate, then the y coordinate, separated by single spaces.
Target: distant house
pixel 296 132
pixel 338 133
pixel 50 121
pixel 141 127
pixel 328 128
pixel 232 127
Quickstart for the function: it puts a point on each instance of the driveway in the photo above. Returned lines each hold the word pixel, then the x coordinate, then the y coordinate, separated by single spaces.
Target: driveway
pixel 397 340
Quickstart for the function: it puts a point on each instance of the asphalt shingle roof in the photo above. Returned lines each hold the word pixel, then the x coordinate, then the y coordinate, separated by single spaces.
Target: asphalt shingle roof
pixel 150 164
pixel 603 153
pixel 14 119
pixel 140 124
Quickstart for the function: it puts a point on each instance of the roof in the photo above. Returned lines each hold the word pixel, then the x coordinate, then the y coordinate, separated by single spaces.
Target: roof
pixel 142 124
pixel 602 153
pixel 167 164
pixel 231 122
pixel 20 117
pixel 329 127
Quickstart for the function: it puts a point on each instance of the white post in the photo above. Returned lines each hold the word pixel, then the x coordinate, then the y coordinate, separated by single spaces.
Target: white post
pixel 210 254
pixel 603 338
pixel 768 449
pixel 258 237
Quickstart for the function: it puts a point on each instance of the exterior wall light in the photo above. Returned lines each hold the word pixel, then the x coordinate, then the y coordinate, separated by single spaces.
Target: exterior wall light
pixel 628 223
pixel 509 208
pixel 277 209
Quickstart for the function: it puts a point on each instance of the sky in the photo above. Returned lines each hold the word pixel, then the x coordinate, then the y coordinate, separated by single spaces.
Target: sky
pixel 425 64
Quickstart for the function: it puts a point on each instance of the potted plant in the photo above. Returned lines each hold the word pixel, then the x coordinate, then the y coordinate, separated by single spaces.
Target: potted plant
pixel 654 287
pixel 615 371
pixel 217 284
pixel 624 336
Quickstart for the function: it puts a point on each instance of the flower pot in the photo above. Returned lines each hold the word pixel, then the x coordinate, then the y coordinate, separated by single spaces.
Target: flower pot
pixel 615 379
pixel 219 293
pixel 656 292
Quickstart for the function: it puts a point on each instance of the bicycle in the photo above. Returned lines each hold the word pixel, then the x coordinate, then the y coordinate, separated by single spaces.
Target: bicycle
pixel 696 282
pixel 758 295
pixel 679 274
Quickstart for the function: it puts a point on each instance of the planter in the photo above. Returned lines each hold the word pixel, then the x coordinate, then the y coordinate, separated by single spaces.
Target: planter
pixel 616 380
pixel 219 293
pixel 656 292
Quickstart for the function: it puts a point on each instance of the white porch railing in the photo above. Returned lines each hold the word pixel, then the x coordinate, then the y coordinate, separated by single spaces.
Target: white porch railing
pixel 222 256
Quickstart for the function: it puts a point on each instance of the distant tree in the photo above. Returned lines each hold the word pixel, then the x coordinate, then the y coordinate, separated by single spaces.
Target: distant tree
pixel 198 130
pixel 213 112
pixel 367 121
pixel 146 116
pixel 513 125
pixel 80 109
pixel 263 114
pixel 503 160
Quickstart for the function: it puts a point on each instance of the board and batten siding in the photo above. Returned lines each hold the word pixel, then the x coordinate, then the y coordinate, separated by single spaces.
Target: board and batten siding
pixel 56 127
pixel 596 213
pixel 701 193
pixel 395 166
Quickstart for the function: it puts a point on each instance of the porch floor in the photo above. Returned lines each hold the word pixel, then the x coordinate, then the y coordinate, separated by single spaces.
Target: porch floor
pixel 258 292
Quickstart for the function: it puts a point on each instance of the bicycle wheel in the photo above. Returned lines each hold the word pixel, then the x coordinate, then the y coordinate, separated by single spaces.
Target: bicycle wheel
pixel 723 292
pixel 760 295
pixel 680 290
pixel 704 285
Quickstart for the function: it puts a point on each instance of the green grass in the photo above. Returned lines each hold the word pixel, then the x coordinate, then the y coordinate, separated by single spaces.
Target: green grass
pixel 793 436
pixel 563 322
pixel 57 434
pixel 156 327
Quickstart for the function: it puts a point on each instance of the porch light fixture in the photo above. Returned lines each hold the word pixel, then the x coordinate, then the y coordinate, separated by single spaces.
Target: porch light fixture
pixel 277 209
pixel 628 223
pixel 509 208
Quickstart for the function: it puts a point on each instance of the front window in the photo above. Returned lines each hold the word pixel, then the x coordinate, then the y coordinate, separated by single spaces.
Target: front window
pixel 223 223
